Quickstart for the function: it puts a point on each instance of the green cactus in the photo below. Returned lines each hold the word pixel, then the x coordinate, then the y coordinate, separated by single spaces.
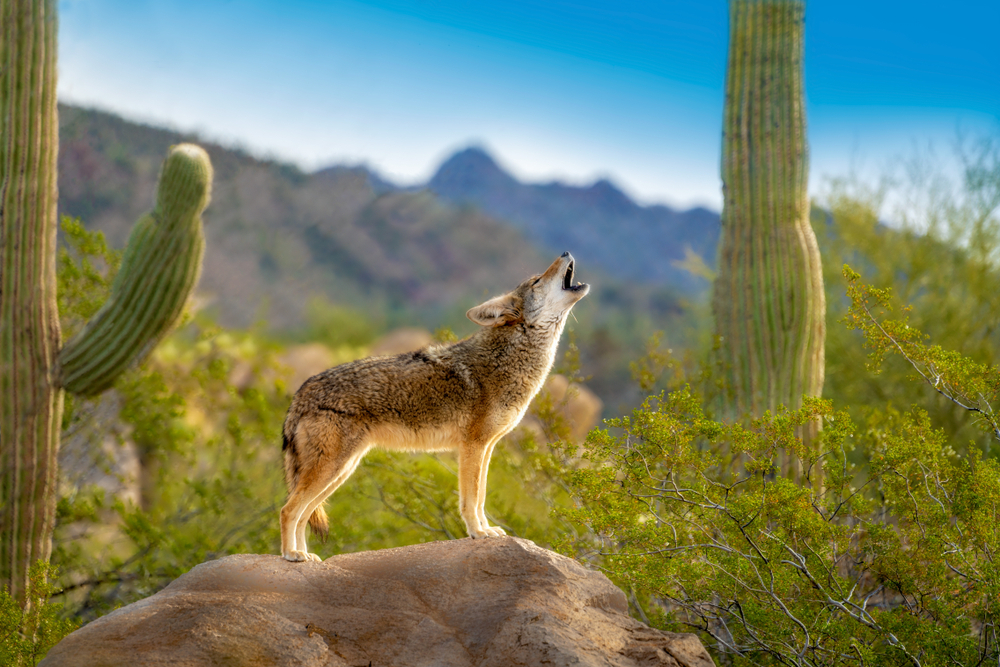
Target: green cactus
pixel 768 296
pixel 159 271
pixel 160 268
pixel 30 404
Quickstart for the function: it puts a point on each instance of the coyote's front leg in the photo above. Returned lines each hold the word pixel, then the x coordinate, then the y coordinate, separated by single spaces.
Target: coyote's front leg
pixel 470 464
pixel 473 461
pixel 493 531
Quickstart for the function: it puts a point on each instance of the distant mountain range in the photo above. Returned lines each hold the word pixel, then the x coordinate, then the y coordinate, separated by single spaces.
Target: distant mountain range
pixel 346 232
pixel 277 236
pixel 645 244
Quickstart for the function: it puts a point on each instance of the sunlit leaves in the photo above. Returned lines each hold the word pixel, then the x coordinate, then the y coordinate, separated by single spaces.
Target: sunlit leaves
pixel 969 384
pixel 29 630
pixel 890 560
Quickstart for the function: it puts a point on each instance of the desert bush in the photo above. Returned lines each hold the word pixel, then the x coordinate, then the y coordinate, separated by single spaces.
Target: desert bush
pixel 29 630
pixel 933 239
pixel 890 561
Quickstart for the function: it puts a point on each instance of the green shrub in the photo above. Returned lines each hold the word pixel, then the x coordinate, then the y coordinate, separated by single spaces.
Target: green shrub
pixel 28 632
pixel 891 560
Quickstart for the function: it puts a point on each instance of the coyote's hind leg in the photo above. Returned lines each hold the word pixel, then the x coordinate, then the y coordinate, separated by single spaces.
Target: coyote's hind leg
pixel 293 513
pixel 325 457
pixel 300 529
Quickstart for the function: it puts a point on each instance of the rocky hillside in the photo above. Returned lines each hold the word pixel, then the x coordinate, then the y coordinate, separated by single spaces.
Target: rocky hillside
pixel 276 236
pixel 643 244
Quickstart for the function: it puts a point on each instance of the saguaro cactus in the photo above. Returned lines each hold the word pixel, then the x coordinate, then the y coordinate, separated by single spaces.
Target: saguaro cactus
pixel 768 298
pixel 158 273
pixel 30 404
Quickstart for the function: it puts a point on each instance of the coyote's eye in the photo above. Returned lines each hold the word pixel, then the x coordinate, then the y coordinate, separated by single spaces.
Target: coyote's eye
pixel 535 281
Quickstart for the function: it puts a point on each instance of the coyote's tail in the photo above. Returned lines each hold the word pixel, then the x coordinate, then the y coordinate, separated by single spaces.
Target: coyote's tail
pixel 318 520
pixel 319 523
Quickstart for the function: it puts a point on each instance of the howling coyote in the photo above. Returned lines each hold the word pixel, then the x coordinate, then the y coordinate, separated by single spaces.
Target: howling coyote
pixel 464 396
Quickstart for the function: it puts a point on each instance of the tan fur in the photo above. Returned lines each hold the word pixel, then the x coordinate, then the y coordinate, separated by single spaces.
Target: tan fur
pixel 464 397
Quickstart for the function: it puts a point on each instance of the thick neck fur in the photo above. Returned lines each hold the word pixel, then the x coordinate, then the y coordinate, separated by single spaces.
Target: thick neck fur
pixel 518 354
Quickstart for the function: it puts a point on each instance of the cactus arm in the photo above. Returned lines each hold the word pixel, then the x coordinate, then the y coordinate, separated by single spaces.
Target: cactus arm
pixel 30 404
pixel 768 296
pixel 160 268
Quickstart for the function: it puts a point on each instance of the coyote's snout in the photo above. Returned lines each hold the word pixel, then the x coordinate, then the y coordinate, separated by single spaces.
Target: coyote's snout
pixel 464 396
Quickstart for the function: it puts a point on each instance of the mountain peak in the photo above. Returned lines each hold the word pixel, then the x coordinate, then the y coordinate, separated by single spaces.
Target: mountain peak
pixel 606 195
pixel 469 171
pixel 472 157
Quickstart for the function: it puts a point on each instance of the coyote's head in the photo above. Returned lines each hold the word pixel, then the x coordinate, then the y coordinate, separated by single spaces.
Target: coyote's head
pixel 540 301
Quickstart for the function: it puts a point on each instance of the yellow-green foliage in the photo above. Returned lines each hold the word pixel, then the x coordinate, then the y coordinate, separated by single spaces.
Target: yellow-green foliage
pixel 890 562
pixel 83 274
pixel 29 630
pixel 938 252
pixel 966 383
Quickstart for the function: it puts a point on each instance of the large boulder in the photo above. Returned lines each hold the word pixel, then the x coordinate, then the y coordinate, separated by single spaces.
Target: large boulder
pixel 501 601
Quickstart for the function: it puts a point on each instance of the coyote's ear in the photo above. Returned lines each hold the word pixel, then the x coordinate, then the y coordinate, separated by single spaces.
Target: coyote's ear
pixel 497 311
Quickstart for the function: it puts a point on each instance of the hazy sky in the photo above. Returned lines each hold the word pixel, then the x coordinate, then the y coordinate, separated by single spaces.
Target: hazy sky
pixel 573 90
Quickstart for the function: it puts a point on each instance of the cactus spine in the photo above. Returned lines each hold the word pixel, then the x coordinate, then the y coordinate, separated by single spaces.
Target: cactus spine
pixel 159 271
pixel 768 298
pixel 30 404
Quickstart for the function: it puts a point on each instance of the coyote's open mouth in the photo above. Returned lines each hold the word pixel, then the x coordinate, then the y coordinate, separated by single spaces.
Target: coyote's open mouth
pixel 568 279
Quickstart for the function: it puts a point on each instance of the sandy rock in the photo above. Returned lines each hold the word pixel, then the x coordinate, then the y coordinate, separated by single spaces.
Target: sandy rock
pixel 304 361
pixel 577 405
pixel 297 364
pixel 498 602
pixel 407 339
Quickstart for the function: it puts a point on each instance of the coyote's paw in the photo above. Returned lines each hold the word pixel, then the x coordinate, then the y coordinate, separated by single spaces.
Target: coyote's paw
pixel 488 531
pixel 299 556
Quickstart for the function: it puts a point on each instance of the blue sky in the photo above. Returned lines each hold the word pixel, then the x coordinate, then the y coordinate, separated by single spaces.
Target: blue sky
pixel 574 90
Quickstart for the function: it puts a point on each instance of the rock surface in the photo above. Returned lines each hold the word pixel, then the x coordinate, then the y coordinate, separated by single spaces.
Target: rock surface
pixel 502 602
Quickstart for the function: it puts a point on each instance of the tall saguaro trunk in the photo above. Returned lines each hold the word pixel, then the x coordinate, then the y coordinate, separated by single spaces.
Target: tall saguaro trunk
pixel 160 268
pixel 30 403
pixel 768 298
